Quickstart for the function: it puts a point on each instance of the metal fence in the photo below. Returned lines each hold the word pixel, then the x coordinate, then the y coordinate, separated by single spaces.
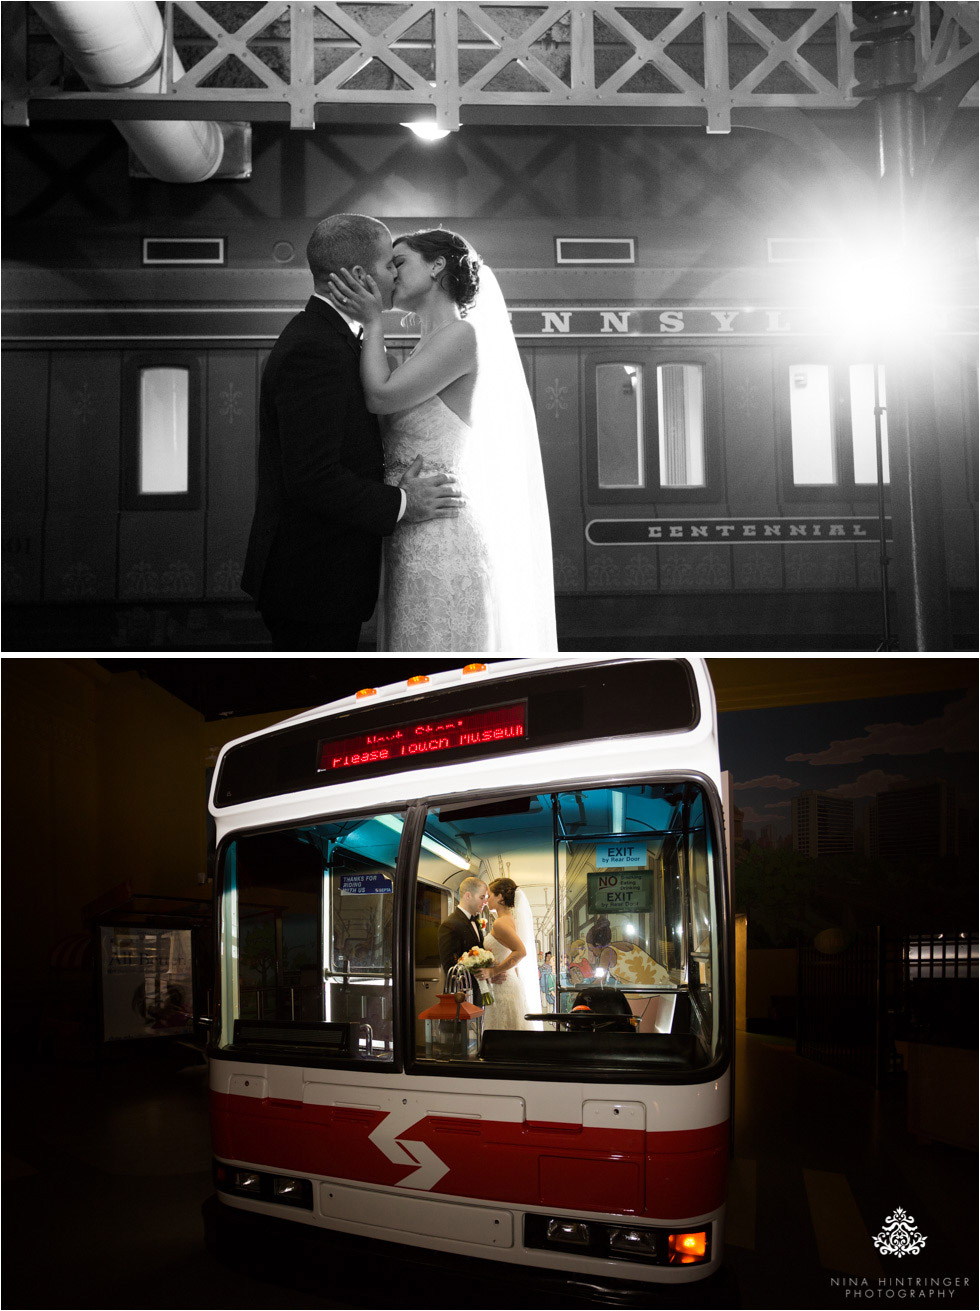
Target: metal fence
pixel 855 1004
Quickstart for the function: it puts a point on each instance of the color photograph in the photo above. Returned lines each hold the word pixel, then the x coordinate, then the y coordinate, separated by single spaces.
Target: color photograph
pixel 629 980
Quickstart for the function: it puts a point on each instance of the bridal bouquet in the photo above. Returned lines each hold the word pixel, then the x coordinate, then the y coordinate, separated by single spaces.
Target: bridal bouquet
pixel 478 958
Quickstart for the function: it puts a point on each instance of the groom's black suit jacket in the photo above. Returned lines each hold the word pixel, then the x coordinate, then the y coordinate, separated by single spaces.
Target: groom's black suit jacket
pixel 456 935
pixel 322 507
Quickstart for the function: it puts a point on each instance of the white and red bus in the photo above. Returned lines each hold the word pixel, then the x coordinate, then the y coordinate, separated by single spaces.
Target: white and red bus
pixel 592 1145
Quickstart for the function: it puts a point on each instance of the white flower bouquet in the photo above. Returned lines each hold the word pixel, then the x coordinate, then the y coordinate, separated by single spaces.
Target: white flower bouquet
pixel 478 958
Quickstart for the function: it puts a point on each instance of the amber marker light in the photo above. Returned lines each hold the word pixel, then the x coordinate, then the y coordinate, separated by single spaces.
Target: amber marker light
pixel 474 669
pixel 687 1249
pixel 365 691
pixel 419 678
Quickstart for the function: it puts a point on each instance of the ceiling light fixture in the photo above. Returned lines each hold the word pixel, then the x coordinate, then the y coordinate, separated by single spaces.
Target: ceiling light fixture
pixel 426 129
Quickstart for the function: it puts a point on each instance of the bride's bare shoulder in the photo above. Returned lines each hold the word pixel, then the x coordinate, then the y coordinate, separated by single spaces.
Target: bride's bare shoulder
pixel 505 932
pixel 459 339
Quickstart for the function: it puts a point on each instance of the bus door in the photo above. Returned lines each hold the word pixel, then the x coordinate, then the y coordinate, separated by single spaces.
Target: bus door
pixel 308 915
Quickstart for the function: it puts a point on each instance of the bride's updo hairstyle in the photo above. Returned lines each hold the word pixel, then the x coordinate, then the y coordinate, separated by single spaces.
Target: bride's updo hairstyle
pixel 461 277
pixel 506 890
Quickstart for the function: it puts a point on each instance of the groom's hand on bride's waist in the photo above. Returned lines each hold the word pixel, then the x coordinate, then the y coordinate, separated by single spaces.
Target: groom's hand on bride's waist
pixel 429 496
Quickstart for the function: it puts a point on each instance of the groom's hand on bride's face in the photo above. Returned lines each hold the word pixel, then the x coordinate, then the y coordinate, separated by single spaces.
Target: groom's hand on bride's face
pixel 357 294
pixel 429 496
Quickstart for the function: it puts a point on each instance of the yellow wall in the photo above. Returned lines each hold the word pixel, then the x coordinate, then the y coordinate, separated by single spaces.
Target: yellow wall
pixel 741 962
pixel 104 780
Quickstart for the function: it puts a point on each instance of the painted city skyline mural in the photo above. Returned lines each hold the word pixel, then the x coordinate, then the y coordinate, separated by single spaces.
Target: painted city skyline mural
pixel 854 814
pixel 851 751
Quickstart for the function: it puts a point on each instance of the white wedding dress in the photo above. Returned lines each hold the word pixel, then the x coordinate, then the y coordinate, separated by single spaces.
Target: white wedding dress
pixel 484 581
pixel 437 584
pixel 509 1005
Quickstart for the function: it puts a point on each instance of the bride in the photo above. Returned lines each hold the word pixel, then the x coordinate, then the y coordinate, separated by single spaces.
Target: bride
pixel 515 976
pixel 482 581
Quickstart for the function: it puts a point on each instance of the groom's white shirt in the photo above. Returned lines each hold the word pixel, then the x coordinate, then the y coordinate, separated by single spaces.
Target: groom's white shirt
pixel 475 930
pixel 355 328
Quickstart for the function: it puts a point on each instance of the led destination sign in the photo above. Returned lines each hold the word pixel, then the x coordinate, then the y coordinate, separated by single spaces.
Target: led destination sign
pixel 392 743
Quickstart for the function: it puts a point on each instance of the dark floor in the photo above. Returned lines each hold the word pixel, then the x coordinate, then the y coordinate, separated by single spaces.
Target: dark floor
pixel 655 622
pixel 106 1170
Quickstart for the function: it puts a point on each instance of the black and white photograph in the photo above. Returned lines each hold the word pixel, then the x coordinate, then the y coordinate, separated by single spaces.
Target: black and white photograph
pixel 496 327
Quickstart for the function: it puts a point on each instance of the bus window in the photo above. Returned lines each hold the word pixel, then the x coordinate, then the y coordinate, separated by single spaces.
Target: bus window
pixel 636 906
pixel 307 918
pixel 621 882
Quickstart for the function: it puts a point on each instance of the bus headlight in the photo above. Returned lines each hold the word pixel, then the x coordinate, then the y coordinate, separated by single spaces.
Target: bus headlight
pixel 649 1244
pixel 284 1189
pixel 568 1231
pixel 641 1242
pixel 292 1192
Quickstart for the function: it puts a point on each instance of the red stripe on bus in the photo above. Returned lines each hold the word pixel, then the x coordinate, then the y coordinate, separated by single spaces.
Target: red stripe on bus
pixel 672 1175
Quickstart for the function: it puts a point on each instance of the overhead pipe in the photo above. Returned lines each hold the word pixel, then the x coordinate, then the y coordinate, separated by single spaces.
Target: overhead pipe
pixel 119 45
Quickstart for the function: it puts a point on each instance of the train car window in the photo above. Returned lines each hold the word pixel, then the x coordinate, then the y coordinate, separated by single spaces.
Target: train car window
pixel 307 915
pixel 971 403
pixel 863 436
pixel 826 410
pixel 162 431
pixel 649 434
pixel 163 453
pixel 619 425
pixel 812 427
pixel 680 422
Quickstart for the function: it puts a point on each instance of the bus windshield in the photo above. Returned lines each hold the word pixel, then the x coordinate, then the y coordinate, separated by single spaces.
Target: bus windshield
pixel 624 886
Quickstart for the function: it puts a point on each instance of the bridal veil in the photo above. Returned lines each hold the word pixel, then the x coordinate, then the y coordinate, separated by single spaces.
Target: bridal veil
pixel 505 483
pixel 527 969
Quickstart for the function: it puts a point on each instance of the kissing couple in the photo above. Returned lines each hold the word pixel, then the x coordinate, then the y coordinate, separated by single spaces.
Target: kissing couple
pixel 510 940
pixel 432 464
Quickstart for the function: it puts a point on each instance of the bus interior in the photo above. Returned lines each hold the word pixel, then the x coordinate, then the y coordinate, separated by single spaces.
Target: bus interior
pixel 625 887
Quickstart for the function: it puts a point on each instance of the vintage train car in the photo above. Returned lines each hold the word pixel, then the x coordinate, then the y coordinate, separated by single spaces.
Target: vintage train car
pixel 700 351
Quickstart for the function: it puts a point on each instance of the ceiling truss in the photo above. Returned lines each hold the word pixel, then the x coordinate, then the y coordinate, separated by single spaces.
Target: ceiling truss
pixel 596 63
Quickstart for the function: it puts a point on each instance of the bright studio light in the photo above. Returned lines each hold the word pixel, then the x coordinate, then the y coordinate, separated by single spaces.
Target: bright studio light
pixel 427 130
pixel 886 293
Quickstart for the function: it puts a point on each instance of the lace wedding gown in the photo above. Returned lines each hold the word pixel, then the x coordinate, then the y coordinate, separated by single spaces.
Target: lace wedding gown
pixel 509 1006
pixel 437 588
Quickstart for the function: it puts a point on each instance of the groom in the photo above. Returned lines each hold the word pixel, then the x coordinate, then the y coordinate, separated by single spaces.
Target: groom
pixel 461 930
pixel 322 507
